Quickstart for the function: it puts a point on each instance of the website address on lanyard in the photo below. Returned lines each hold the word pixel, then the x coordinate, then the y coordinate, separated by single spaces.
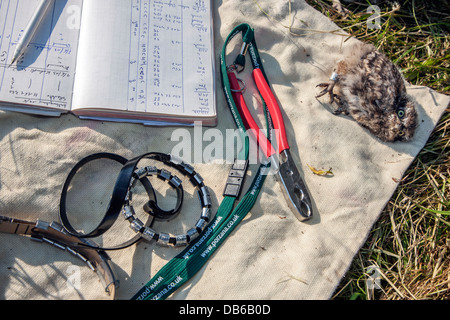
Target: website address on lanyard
pixel 167 289
pixel 219 236
pixel 207 233
pixel 178 279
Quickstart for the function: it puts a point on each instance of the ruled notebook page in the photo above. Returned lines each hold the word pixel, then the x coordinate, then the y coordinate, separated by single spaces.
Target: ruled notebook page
pixel 146 56
pixel 44 76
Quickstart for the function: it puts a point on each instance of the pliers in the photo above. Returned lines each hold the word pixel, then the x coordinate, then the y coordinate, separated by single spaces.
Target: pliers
pixel 292 185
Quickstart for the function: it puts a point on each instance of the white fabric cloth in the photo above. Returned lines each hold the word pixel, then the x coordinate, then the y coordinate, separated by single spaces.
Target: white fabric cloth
pixel 270 255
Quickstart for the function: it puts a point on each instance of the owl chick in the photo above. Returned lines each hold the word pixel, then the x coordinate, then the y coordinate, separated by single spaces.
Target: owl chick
pixel 371 89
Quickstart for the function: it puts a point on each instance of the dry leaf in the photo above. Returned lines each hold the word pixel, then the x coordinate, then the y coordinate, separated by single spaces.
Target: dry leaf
pixel 321 172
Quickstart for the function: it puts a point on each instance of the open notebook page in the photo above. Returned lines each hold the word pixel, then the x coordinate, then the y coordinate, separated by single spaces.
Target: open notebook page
pixel 146 56
pixel 44 76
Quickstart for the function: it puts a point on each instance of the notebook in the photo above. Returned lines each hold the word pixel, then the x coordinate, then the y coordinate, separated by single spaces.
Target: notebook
pixel 145 61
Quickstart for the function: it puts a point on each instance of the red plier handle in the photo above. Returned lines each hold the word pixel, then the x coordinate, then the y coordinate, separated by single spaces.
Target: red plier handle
pixel 274 110
pixel 293 187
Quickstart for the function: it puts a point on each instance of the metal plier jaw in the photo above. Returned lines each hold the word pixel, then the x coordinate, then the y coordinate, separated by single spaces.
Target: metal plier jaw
pixel 293 188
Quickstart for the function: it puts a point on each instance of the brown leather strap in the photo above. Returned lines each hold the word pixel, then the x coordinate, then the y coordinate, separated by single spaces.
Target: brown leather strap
pixel 54 234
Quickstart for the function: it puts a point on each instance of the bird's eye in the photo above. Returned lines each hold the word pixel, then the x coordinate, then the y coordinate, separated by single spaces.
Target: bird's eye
pixel 401 113
pixel 401 133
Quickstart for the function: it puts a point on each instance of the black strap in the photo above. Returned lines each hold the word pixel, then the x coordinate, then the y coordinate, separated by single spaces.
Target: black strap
pixel 116 203
pixel 119 195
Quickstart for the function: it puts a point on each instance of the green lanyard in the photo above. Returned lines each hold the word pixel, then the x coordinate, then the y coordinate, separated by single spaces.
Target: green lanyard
pixel 187 263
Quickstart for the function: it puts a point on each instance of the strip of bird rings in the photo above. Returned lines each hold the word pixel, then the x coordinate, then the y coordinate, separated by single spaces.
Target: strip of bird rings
pixel 121 199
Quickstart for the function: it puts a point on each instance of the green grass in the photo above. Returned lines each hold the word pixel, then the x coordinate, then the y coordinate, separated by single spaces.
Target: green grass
pixel 410 244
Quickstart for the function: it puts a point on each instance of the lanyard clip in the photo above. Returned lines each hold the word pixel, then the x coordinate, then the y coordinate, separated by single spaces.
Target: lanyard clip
pixel 244 49
pixel 240 59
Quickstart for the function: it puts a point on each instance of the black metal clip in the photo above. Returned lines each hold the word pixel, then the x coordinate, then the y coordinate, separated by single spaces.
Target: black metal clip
pixel 236 178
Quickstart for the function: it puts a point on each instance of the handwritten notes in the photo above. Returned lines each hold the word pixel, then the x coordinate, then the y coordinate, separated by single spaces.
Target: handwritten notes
pixel 44 76
pixel 170 69
pixel 136 60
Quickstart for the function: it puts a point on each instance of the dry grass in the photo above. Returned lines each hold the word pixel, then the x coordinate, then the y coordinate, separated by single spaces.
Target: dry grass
pixel 410 244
